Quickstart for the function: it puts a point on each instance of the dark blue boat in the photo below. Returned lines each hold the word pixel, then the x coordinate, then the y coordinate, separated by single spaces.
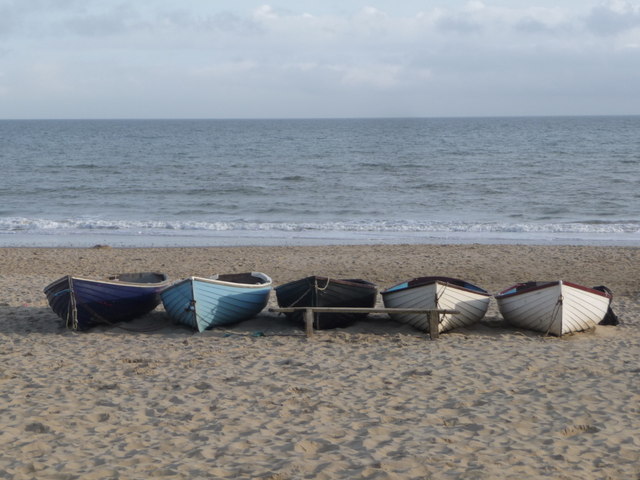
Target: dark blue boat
pixel 83 303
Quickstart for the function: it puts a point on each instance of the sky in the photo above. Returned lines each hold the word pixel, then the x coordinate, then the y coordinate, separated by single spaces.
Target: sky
pixel 318 59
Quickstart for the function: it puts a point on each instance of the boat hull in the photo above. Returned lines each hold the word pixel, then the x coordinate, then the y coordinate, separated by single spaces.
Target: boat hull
pixel 317 291
pixel 438 293
pixel 204 303
pixel 83 303
pixel 554 308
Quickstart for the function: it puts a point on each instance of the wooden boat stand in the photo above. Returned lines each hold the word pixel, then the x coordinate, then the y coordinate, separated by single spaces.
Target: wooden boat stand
pixel 433 315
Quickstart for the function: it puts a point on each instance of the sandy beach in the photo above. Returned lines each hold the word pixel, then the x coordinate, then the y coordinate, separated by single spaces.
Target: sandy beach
pixel 377 400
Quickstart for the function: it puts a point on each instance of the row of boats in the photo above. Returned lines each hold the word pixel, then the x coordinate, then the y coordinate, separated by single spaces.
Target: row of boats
pixel 554 308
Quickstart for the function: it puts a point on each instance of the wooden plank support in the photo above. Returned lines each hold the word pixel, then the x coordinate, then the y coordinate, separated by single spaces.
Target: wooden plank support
pixel 433 318
pixel 308 321
pixel 433 315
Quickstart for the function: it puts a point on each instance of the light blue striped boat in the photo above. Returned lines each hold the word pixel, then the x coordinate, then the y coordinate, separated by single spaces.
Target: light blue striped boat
pixel 204 303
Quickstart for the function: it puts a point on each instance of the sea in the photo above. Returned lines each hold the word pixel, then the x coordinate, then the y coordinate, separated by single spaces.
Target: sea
pixel 144 183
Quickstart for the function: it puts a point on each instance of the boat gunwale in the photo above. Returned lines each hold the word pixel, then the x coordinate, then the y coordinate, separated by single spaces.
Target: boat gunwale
pixel 352 282
pixel 214 281
pixel 424 281
pixel 113 281
pixel 506 293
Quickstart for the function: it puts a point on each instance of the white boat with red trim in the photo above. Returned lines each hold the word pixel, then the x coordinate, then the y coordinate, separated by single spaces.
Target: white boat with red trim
pixel 554 308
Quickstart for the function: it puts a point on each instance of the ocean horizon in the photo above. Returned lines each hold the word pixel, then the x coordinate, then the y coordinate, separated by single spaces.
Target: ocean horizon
pixel 136 183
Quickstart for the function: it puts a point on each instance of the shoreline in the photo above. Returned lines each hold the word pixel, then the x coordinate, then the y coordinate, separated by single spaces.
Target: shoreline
pixel 377 400
pixel 275 238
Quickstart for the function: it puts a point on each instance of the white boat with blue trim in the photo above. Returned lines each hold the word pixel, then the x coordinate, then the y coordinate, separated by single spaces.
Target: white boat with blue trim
pixel 442 293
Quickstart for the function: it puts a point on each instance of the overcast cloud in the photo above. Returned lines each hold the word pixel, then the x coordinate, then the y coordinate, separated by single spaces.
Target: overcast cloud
pixel 288 58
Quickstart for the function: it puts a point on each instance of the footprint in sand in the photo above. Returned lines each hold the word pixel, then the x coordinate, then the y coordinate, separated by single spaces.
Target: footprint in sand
pixel 572 430
pixel 307 447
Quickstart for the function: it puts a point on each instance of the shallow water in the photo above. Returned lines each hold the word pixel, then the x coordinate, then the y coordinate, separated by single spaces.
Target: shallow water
pixel 226 182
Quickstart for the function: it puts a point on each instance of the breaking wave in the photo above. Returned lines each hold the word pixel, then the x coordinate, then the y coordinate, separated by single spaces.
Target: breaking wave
pixel 161 227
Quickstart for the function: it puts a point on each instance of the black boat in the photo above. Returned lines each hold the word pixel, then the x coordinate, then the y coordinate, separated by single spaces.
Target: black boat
pixel 318 291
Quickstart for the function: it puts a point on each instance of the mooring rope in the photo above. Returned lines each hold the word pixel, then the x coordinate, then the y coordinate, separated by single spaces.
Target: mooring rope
pixel 322 289
pixel 554 313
